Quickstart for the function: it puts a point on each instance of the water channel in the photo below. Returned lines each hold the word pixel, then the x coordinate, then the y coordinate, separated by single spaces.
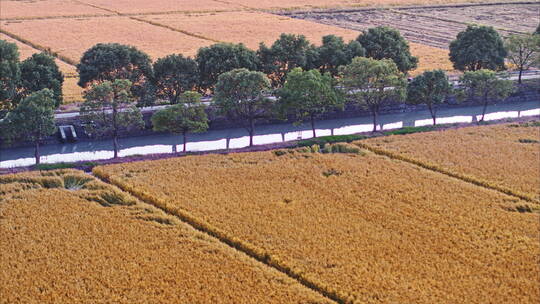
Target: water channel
pixel 265 134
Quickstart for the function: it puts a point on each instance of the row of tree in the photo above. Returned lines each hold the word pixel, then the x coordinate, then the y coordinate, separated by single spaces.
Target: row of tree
pixel 241 95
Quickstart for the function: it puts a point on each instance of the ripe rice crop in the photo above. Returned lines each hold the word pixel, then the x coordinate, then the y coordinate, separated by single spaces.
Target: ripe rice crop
pixel 67 238
pixel 46 8
pixel 72 37
pixel 252 28
pixel 360 228
pixel 493 154
pixel 162 6
pixel 72 92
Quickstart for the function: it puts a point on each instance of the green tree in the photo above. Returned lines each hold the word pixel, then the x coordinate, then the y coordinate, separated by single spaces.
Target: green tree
pixel 484 85
pixel 478 47
pixel 373 83
pixel 32 119
pixel 174 75
pixel 223 57
pixel 10 75
pixel 334 53
pixel 240 96
pixel 187 117
pixel 288 52
pixel 384 42
pixel 109 110
pixel 308 95
pixel 430 88
pixel 110 61
pixel 41 72
pixel 523 51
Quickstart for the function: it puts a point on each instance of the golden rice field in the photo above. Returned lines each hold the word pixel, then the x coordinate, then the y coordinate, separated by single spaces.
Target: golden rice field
pixel 12 9
pixel 363 228
pixel 72 92
pixel 67 238
pixel 163 6
pixel 493 154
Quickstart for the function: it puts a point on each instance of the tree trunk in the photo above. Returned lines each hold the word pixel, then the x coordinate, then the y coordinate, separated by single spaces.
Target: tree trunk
pixel 174 148
pixel 313 126
pixel 520 73
pixel 433 115
pixel 251 132
pixel 185 141
pixel 375 114
pixel 36 152
pixel 484 108
pixel 115 146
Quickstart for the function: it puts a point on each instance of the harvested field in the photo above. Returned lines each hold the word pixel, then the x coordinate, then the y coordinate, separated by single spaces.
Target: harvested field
pixel 434 26
pixel 72 37
pixel 495 154
pixel 364 228
pixel 31 9
pixel 310 4
pixel 162 6
pixel 72 239
pixel 72 92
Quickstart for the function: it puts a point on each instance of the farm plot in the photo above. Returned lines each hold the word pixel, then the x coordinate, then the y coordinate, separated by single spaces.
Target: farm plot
pixel 12 9
pixel 433 26
pixel 504 155
pixel 72 37
pixel 251 28
pixel 163 6
pixel 68 238
pixel 72 92
pixel 365 228
pixel 310 4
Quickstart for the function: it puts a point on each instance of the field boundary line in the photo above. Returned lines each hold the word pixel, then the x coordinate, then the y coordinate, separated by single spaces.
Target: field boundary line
pixel 436 168
pixel 38 47
pixel 247 248
pixel 174 29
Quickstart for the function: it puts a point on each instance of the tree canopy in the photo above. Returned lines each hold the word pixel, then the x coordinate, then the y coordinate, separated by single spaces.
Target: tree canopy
pixel 307 95
pixel 384 42
pixel 334 53
pixel 109 109
pixel 523 51
pixel 10 75
pixel 174 75
pixel 38 72
pixel 32 119
pixel 240 95
pixel 187 117
pixel 430 88
pixel 373 83
pixel 110 61
pixel 223 57
pixel 485 86
pixel 288 52
pixel 478 47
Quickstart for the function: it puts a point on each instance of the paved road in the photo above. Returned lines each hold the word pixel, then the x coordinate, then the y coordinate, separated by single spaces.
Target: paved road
pixel 237 138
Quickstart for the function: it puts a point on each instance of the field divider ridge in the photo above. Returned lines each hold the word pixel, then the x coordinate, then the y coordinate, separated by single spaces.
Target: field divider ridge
pixel 247 248
pixel 174 29
pixel 436 168
pixel 40 48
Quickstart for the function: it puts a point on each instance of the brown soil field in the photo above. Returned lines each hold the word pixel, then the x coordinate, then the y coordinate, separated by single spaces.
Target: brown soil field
pixel 12 9
pixel 364 227
pixel 72 37
pixel 93 244
pixel 310 4
pixel 163 6
pixel 72 92
pixel 434 26
pixel 490 153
